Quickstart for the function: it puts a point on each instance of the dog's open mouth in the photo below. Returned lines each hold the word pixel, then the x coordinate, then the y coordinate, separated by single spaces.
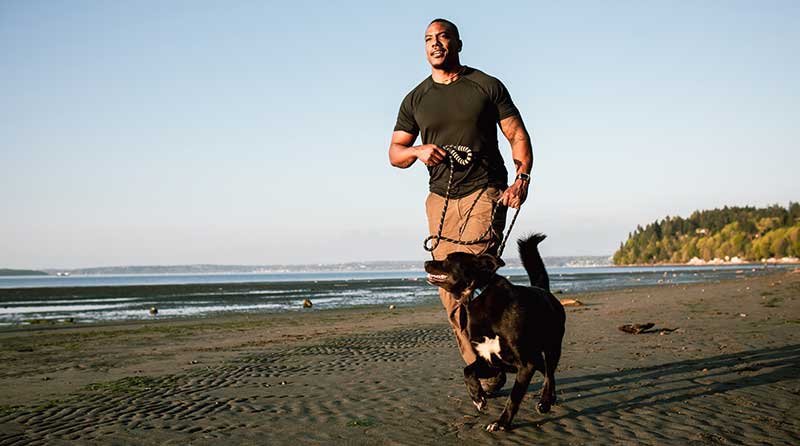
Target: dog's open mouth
pixel 436 279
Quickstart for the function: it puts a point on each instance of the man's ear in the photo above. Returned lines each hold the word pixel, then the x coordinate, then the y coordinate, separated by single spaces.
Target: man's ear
pixel 490 263
pixel 460 45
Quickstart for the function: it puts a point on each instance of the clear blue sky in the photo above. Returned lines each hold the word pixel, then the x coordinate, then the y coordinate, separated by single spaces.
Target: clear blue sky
pixel 246 132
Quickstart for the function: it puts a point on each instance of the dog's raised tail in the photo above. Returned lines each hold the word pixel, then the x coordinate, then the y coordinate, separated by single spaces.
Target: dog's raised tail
pixel 532 260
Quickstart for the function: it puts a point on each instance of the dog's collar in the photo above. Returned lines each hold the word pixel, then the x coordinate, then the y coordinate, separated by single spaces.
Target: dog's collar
pixel 476 293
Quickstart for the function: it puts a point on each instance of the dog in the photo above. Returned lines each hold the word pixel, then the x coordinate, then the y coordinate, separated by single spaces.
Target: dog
pixel 515 328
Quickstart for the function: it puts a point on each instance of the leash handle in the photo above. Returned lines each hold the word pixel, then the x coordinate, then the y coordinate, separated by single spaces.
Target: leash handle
pixel 460 154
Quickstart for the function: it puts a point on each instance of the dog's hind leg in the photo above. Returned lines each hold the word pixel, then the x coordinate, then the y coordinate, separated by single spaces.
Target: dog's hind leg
pixel 548 397
pixel 538 362
pixel 471 374
pixel 524 375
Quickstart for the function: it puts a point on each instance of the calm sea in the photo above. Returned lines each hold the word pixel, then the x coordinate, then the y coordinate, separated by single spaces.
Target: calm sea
pixel 129 297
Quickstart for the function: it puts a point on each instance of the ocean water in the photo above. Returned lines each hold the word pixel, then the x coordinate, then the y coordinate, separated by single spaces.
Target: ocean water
pixel 24 300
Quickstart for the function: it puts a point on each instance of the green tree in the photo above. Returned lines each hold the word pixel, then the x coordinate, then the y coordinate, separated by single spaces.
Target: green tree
pixel 747 232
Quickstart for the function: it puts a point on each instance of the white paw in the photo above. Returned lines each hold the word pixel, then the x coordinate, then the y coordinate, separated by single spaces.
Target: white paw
pixel 479 405
pixel 494 427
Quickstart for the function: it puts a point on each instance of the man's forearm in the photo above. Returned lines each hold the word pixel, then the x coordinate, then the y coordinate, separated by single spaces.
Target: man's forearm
pixel 522 153
pixel 402 156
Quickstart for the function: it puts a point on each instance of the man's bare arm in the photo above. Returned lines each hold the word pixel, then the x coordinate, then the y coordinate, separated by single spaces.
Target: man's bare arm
pixel 402 154
pixel 522 153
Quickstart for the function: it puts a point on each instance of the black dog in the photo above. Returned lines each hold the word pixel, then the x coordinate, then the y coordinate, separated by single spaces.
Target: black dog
pixel 513 327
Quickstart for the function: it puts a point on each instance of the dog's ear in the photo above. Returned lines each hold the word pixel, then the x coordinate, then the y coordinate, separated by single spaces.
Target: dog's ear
pixel 490 263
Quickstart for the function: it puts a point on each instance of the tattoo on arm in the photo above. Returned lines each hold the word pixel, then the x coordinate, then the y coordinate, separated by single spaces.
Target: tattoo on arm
pixel 514 130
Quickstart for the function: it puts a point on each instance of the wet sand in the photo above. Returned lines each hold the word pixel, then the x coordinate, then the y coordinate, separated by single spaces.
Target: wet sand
pixel 728 374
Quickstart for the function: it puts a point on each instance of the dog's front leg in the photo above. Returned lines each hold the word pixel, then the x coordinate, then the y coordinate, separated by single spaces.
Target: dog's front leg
pixel 524 375
pixel 474 385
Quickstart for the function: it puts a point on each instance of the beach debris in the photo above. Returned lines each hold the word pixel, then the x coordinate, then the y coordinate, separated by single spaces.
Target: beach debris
pixel 636 328
pixel 742 314
pixel 392 307
pixel 571 303
pixel 283 383
pixel 153 311
pixel 307 303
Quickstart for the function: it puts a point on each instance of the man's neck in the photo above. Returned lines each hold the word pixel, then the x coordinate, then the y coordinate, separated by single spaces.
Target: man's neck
pixel 447 75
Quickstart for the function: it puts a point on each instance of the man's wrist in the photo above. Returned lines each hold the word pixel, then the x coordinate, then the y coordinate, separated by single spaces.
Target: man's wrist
pixel 524 177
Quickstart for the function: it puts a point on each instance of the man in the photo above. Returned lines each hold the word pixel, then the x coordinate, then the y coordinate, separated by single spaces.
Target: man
pixel 460 105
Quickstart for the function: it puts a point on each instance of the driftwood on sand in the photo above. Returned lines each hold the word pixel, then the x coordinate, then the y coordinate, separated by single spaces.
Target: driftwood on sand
pixel 636 328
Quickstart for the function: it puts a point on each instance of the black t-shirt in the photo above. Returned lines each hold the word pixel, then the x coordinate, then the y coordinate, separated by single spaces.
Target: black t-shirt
pixel 465 112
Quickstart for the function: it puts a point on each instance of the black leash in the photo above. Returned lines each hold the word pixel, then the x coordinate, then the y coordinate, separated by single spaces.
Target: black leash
pixel 463 156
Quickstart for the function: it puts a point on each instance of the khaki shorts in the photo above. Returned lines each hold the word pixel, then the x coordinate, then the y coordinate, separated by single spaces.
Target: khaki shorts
pixel 461 224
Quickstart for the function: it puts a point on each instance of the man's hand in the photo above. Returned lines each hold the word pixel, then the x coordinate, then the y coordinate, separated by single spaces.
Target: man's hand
pixel 402 154
pixel 430 154
pixel 515 195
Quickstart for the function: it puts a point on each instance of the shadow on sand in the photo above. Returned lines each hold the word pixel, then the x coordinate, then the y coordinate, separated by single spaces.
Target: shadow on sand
pixel 675 381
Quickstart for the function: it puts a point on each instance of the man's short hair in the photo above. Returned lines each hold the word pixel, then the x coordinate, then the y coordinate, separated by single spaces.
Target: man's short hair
pixel 449 24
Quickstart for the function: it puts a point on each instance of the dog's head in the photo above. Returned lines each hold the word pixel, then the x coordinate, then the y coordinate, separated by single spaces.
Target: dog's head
pixel 461 273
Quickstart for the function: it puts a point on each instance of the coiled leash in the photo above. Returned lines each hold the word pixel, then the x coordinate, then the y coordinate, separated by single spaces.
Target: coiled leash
pixel 462 155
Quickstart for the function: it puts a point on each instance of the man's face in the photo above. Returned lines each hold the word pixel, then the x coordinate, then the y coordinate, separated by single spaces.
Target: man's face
pixel 441 45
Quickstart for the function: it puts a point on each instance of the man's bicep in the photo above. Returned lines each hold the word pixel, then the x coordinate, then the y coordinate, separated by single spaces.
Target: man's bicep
pixel 403 138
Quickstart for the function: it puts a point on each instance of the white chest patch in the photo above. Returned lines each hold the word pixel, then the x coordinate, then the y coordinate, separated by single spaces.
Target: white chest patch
pixel 488 347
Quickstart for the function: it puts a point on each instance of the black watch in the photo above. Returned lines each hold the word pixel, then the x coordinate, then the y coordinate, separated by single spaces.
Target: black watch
pixel 524 177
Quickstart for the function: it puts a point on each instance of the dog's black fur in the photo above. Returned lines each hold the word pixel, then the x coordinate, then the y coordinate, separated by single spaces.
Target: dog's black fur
pixel 528 321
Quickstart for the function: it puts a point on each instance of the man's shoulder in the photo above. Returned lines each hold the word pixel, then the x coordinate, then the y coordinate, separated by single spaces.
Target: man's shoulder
pixel 481 78
pixel 420 89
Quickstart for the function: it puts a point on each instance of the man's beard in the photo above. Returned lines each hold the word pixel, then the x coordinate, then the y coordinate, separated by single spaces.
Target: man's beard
pixel 446 64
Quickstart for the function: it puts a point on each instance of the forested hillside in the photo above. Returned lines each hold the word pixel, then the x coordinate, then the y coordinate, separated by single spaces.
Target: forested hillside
pixel 749 233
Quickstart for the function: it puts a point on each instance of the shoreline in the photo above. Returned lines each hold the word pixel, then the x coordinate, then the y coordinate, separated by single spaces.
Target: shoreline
pixel 105 302
pixel 374 376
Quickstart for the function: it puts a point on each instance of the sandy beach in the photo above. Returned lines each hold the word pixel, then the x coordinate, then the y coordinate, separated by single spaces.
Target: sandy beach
pixel 721 366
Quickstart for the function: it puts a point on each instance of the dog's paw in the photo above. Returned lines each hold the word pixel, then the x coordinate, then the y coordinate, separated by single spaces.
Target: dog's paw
pixel 543 407
pixel 496 426
pixel 480 404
